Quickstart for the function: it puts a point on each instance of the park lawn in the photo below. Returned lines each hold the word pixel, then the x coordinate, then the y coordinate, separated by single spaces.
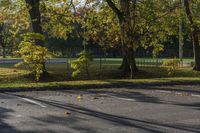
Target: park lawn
pixel 93 84
pixel 109 75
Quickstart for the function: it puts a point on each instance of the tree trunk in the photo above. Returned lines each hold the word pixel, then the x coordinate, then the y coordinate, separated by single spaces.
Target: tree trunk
pixel 4 52
pixel 196 47
pixel 195 35
pixel 35 16
pixel 125 65
pixel 131 61
pixel 127 35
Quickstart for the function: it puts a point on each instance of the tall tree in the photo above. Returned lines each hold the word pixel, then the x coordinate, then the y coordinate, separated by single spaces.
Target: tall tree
pixel 5 40
pixel 35 16
pixel 127 19
pixel 145 23
pixel 195 30
pixel 14 19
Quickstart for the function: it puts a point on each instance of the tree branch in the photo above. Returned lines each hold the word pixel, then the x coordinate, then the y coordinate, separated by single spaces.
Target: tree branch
pixel 114 8
pixel 188 11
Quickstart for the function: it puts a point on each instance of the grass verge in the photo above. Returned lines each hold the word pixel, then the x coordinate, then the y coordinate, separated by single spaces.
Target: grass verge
pixel 93 84
pixel 18 79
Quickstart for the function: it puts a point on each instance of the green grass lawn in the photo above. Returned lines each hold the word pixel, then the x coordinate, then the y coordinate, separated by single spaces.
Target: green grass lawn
pixel 109 74
pixel 60 76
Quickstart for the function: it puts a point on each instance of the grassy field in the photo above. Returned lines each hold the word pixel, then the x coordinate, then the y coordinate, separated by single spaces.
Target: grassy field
pixel 59 75
pixel 109 74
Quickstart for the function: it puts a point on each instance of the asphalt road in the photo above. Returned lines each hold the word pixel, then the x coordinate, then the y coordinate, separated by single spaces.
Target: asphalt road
pixel 119 110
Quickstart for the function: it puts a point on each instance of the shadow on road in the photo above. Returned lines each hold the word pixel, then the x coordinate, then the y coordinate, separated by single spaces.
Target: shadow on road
pixel 121 121
pixel 4 127
pixel 74 121
pixel 190 105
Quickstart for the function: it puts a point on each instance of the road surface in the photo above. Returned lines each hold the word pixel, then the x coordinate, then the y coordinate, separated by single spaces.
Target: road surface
pixel 117 110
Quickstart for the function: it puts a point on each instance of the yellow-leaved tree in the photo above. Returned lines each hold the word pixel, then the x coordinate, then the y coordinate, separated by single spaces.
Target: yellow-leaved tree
pixel 33 55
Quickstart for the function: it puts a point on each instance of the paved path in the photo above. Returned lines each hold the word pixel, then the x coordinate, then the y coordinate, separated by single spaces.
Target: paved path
pixel 118 110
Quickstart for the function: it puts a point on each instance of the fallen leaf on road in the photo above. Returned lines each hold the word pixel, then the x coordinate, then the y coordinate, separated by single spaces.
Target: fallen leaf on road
pixel 78 98
pixel 67 113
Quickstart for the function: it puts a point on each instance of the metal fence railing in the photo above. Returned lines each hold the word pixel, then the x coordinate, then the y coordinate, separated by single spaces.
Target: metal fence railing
pixel 149 62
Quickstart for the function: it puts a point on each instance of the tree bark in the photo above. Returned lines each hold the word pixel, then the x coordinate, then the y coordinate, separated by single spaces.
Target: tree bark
pixel 132 62
pixel 4 51
pixel 127 38
pixel 196 47
pixel 35 16
pixel 195 35
pixel 125 65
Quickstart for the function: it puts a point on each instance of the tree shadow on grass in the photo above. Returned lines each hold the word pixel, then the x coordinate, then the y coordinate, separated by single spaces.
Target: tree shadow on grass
pixel 109 84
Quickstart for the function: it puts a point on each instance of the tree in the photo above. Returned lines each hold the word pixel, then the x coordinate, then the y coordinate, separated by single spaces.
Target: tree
pixel 13 21
pixel 127 19
pixel 33 55
pixel 82 64
pixel 132 23
pixel 144 24
pixel 5 40
pixel 35 15
pixel 195 29
pixel 57 20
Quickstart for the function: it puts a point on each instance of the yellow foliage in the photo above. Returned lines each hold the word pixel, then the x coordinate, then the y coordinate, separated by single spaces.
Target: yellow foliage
pixel 34 56
pixel 172 65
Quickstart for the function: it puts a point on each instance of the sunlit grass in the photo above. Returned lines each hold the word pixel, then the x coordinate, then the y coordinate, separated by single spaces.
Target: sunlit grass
pixel 60 76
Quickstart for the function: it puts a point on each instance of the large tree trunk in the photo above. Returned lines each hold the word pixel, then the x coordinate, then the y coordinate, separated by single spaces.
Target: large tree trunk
pixel 125 65
pixel 127 37
pixel 195 35
pixel 129 64
pixel 131 61
pixel 196 47
pixel 35 16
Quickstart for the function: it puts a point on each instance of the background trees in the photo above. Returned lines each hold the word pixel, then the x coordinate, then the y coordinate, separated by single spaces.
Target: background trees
pixel 5 40
pixel 125 24
pixel 145 24
pixel 13 21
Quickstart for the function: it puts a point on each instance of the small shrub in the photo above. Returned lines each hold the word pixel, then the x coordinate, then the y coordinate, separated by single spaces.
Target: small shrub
pixel 82 64
pixel 172 65
pixel 34 56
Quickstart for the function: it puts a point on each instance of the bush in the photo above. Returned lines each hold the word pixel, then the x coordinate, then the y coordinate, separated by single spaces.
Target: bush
pixel 34 56
pixel 172 65
pixel 82 64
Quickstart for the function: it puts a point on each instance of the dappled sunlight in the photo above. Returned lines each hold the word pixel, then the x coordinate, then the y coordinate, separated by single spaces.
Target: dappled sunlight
pixel 11 71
